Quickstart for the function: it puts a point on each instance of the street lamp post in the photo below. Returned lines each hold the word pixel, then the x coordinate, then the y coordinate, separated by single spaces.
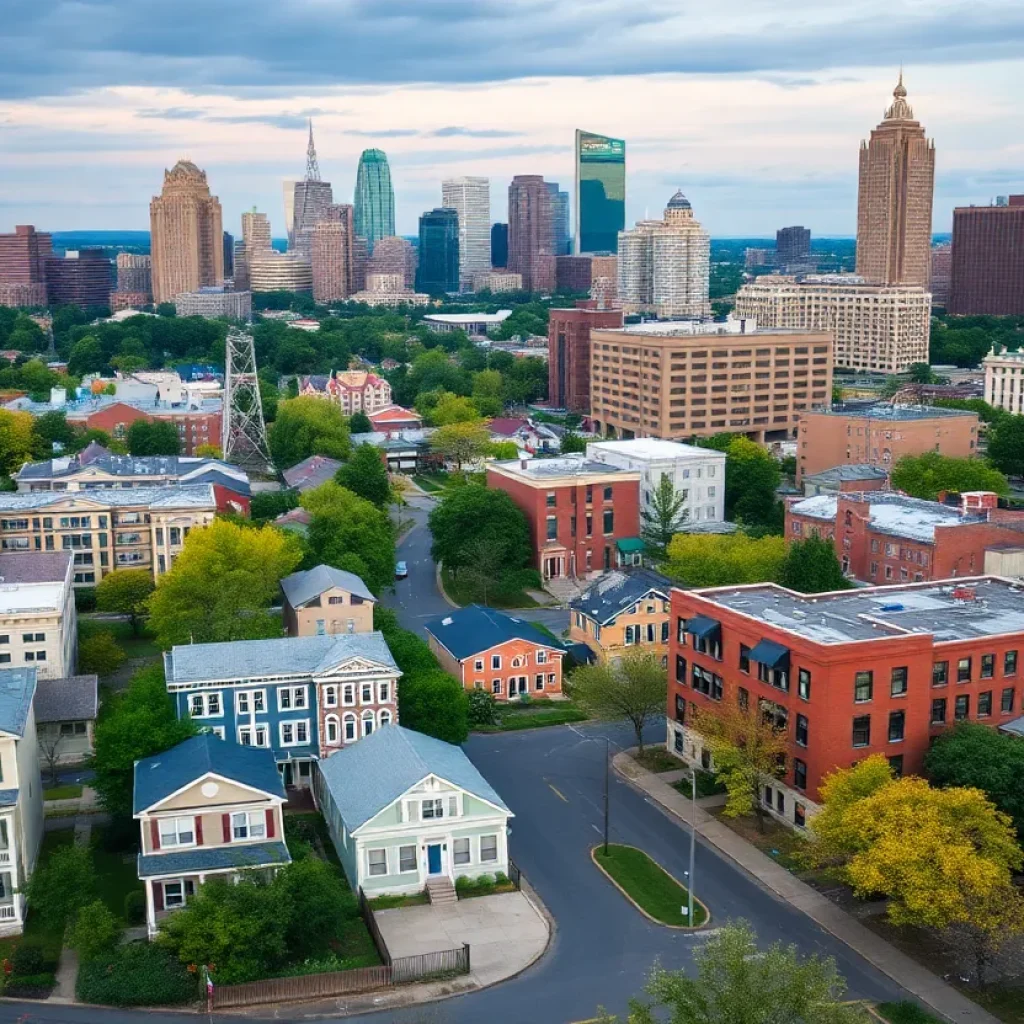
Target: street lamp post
pixel 693 842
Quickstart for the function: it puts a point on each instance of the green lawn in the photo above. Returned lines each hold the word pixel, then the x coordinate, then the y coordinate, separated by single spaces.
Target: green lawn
pixel 430 482
pixel 70 792
pixel 658 759
pixel 416 899
pixel 141 646
pixel 463 593
pixel 905 1013
pixel 534 715
pixel 648 885
pixel 116 870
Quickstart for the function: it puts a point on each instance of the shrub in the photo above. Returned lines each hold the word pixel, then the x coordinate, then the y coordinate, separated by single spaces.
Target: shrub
pixel 525 698
pixel 85 599
pixel 136 974
pixel 481 708
pixel 96 931
pixel 61 886
pixel 135 907
pixel 100 654
pixel 485 882
pixel 28 958
pixel 30 986
pixel 462 883
pixel 500 878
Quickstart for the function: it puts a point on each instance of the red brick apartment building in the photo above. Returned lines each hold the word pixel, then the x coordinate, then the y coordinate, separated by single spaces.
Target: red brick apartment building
pixel 194 426
pixel 886 538
pixel 879 670
pixel 584 516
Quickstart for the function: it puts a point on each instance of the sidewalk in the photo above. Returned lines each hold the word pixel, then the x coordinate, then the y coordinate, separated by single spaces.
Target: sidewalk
pixel 931 991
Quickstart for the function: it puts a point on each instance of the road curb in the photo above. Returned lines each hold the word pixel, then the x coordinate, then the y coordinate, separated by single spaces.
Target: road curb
pixel 440 587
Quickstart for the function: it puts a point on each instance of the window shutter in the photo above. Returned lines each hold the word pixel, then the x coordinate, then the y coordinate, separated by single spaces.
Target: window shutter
pixel 154 833
pixel 158 895
pixel 199 830
pixel 270 822
pixel 226 822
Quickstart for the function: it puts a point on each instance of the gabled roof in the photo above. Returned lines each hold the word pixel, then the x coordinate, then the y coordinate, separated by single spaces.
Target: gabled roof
pixel 467 631
pixel 506 425
pixel 311 472
pixel 73 699
pixel 157 777
pixel 17 688
pixel 370 775
pixel 616 591
pixel 295 656
pixel 302 587
pixel 852 471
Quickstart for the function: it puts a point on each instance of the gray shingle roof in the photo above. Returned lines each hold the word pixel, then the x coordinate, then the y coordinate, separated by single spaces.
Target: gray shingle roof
pixel 157 777
pixel 301 587
pixel 213 858
pixel 165 496
pixel 17 688
pixel 368 776
pixel 616 591
pixel 127 466
pixel 34 566
pixel 72 699
pixel 288 656
pixel 853 471
pixel 467 631
pixel 311 472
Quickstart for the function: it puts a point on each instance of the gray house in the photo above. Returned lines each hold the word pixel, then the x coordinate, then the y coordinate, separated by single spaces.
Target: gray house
pixel 65 718
pixel 407 811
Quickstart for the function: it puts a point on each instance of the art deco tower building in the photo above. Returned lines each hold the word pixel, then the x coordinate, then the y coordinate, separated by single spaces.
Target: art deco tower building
pixel 894 202
pixel 186 234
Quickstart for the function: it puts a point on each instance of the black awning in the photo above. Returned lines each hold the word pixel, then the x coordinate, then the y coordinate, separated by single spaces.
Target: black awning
pixel 702 626
pixel 768 652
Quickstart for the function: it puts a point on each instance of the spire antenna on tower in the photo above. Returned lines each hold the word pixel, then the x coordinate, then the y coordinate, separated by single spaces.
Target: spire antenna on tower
pixel 312 167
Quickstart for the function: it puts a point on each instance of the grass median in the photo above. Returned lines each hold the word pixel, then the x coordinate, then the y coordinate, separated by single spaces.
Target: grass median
pixel 649 886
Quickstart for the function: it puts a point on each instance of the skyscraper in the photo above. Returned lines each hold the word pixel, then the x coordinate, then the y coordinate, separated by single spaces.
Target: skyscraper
pixel 331 255
pixel 942 271
pixel 23 266
pixel 987 274
pixel 499 245
pixel 288 194
pixel 529 232
pixel 186 234
pixel 312 197
pixel 134 273
pixel 79 278
pixel 229 254
pixel 374 199
pixel 470 198
pixel 255 232
pixel 792 245
pixel 600 192
pixel 561 243
pixel 894 201
pixel 664 264
pixel 393 255
pixel 439 252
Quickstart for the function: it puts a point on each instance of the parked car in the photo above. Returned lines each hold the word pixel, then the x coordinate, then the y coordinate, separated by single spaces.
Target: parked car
pixel 401 571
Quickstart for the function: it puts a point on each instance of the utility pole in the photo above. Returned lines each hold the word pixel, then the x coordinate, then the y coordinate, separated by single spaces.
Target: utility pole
pixel 607 771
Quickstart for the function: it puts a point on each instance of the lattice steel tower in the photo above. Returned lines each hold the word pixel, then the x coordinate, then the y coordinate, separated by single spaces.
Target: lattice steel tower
pixel 244 439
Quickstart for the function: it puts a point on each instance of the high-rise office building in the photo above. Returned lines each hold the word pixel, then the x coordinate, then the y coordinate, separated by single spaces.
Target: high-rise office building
pixel 273 271
pixel 360 259
pixel 600 192
pixel 23 258
pixel 438 270
pixel 186 234
pixel 229 254
pixel 988 259
pixel 664 265
pixel 561 241
pixel 942 272
pixel 569 353
pixel 134 273
pixel 331 256
pixel 470 198
pixel 792 245
pixel 80 278
pixel 499 246
pixel 374 199
pixel 529 232
pixel 256 232
pixel 394 255
pixel 288 194
pixel 312 197
pixel 894 201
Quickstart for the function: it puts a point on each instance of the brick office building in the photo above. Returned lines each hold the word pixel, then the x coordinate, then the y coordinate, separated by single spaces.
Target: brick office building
pixel 23 257
pixel 569 352
pixel 987 272
pixel 879 670
pixel 885 538
pixel 583 516
pixel 194 426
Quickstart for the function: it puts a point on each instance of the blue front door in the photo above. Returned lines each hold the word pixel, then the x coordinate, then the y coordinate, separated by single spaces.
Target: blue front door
pixel 434 859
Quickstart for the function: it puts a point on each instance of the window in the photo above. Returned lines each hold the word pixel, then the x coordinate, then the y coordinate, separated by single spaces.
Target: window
pixel 1010 663
pixel 29 638
pixel 294 733
pixel 985 704
pixel 799 815
pixel 962 708
pixel 542 657
pixel 897 725
pixel 896 764
pixel 863 685
pixel 205 705
pixel 384 693
pixel 681 631
pixel 552 528
pixel 460 851
pixel 330 696
pixel 368 722
pixel 377 862
pixel 988 666
pixel 607 494
pixel 862 731
pixel 963 670
pixel 384 717
pixel 799 773
pixel 291 698
pixel 495 661
pixel 348 694
pixel 366 693
pixel 898 684
pixel 175 893
pixel 940 673
pixel 803 683
pixel 177 832
pixel 248 825
pixel 349 727
pixel 707 683
pixel 744 658
pixel 609 521
pixel 488 848
pixel 331 728
pixel 801 730
pixel 495 686
pixel 939 711
pixel 743 698
pixel 406 858
pixel 1006 701
pixel 254 737
pixel 250 701
pixel 780 801
pixel 431 809
pixel 478 665
pixel 680 709
pixel 550 499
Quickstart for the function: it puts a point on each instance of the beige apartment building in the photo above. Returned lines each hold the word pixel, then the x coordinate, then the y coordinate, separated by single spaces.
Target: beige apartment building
pixel 1004 379
pixel 326 602
pixel 133 528
pixel 880 328
pixel 279 272
pixel 677 380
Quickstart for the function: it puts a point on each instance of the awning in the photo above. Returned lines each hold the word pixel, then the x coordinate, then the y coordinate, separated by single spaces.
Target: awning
pixel 1014 727
pixel 629 545
pixel 768 652
pixel 702 626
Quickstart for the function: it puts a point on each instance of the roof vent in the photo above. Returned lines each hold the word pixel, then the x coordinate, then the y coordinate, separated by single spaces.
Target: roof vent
pixel 446 621
pixel 892 608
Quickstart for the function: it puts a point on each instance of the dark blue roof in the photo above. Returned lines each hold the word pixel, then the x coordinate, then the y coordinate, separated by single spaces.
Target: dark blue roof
pixel 468 631
pixel 17 688
pixel 157 777
pixel 616 591
pixel 213 858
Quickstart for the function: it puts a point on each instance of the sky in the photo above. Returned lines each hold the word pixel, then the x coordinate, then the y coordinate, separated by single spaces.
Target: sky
pixel 754 108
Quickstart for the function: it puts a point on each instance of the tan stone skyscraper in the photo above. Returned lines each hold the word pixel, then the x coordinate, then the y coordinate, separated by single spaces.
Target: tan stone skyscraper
pixel 186 234
pixel 894 202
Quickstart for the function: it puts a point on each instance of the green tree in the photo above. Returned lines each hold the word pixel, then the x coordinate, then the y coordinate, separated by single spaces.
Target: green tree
pixel 96 931
pixel 317 901
pixel 132 725
pixel 926 476
pixel 921 373
pixel 713 560
pixel 100 653
pixel 1006 445
pixel 61 885
pixel 468 516
pixel 87 356
pixel 633 690
pixel 451 408
pixel 572 443
pixel 359 423
pixel 665 516
pixel 811 567
pixel 488 390
pixel 308 426
pixel 461 442
pixel 221 585
pixel 436 704
pixel 503 451
pixel 366 474
pixel 738 983
pixel 50 428
pixel 125 592
pixel 751 476
pixel 159 437
pixel 17 440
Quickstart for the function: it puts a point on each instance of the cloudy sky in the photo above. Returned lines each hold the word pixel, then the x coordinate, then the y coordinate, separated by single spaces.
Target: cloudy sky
pixel 755 108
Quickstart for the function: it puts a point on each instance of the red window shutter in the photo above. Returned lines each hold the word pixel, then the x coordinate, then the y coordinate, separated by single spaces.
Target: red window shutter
pixel 158 895
pixel 199 830
pixel 154 833
pixel 226 822
pixel 270 822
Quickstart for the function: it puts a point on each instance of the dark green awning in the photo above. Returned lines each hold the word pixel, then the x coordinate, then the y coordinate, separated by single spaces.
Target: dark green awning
pixel 629 545
pixel 768 652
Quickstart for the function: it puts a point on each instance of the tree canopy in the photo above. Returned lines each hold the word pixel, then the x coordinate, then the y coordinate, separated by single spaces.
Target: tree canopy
pixel 715 560
pixel 125 591
pixel 811 567
pixel 926 476
pixel 1006 445
pixel 366 474
pixel 461 442
pixel 664 517
pixel 157 437
pixel 308 426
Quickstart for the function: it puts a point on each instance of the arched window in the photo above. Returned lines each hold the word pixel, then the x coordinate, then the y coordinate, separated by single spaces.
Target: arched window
pixel 330 696
pixel 367 722
pixel 517 662
pixel 384 718
pixel 350 727
pixel 331 728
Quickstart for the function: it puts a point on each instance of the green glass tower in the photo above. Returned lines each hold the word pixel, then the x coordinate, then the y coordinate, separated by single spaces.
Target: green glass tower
pixel 600 192
pixel 374 213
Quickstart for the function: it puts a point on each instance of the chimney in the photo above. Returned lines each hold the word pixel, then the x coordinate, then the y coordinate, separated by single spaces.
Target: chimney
pixel 522 464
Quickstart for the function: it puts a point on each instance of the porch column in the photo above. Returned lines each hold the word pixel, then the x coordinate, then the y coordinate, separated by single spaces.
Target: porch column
pixel 150 909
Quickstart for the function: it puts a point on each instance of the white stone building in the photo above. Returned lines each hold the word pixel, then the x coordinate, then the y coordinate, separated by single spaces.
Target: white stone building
pixel 1004 379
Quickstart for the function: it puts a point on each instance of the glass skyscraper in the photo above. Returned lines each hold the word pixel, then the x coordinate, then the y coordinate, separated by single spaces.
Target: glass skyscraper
pixel 438 269
pixel 374 199
pixel 600 192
